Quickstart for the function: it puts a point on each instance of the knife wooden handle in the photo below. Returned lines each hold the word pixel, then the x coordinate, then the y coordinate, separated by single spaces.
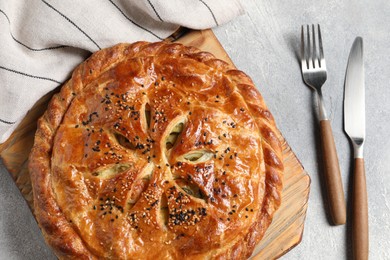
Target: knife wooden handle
pixel 360 212
pixel 333 180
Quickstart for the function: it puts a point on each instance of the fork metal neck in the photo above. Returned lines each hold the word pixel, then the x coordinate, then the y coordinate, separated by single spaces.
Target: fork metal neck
pixel 322 111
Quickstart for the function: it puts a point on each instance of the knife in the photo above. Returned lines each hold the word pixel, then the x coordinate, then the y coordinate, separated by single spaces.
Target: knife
pixel 354 124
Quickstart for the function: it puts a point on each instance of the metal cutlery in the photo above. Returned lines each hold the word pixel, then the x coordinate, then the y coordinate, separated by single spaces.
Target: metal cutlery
pixel 314 75
pixel 354 124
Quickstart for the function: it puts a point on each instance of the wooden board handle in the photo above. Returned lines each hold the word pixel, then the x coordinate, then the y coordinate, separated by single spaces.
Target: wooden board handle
pixel 332 175
pixel 360 212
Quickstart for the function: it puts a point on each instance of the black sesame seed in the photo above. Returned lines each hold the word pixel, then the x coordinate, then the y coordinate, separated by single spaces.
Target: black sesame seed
pixel 96 149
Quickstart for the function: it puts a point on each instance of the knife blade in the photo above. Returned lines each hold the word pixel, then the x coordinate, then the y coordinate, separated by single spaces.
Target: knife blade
pixel 355 127
pixel 354 106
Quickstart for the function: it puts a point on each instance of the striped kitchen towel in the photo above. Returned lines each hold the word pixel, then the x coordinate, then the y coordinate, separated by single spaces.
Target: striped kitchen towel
pixel 41 41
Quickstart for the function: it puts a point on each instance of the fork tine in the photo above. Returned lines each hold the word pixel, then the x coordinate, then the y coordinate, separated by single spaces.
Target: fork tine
pixel 303 54
pixel 314 46
pixel 309 49
pixel 321 49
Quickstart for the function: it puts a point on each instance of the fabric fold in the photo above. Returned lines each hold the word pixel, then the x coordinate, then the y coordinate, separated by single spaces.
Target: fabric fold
pixel 43 40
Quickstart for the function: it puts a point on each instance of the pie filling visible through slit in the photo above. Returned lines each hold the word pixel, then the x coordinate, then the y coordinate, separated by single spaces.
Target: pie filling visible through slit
pixel 156 150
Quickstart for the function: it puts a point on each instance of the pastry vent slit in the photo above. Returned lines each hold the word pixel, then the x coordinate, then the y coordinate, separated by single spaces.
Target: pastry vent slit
pixel 140 185
pixel 173 135
pixel 147 114
pixel 198 156
pixel 111 171
pixel 164 211
pixel 124 142
pixel 190 188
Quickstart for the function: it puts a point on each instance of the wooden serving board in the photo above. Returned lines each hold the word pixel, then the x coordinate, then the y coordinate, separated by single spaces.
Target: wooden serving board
pixel 286 229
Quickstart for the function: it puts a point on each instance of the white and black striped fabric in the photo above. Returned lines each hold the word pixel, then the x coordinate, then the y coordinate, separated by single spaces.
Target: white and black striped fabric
pixel 41 41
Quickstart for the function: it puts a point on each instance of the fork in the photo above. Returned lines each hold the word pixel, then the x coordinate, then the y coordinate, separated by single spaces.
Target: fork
pixel 314 75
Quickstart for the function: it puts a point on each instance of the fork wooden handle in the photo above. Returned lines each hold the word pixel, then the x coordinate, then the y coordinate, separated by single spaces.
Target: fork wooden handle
pixel 332 175
pixel 360 212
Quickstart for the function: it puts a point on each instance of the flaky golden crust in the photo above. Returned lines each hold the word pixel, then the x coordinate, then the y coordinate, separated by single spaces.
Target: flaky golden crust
pixel 156 150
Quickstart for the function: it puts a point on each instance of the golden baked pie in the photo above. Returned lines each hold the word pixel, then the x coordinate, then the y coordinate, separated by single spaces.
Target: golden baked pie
pixel 156 151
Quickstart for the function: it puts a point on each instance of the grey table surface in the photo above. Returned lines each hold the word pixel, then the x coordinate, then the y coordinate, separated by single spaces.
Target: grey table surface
pixel 264 43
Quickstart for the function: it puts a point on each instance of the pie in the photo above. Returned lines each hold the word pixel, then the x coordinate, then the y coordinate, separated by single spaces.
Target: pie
pixel 156 151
